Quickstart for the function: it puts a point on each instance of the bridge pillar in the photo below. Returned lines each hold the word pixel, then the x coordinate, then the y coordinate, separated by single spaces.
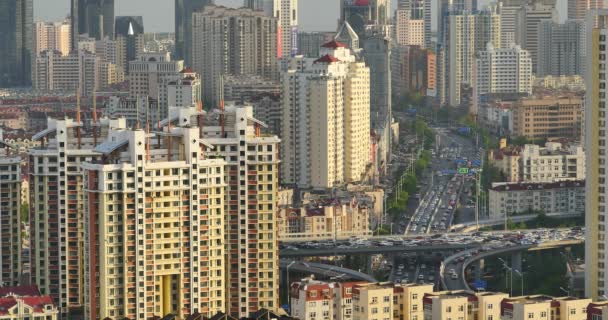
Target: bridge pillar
pixel 516 261
pixel 479 266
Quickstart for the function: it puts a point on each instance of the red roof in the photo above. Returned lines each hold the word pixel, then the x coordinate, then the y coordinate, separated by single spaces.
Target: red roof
pixel 327 59
pixel 334 44
pixel 362 2
pixel 6 304
pixel 38 303
pixel 187 70
pixel 19 291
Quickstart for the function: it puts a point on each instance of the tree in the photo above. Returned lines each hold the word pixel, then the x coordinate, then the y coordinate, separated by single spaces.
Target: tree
pixel 25 213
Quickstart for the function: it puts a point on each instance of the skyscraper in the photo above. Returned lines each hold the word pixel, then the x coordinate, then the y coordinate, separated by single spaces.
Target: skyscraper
pixel 17 39
pixel 233 41
pixel 359 13
pixel 129 39
pixel 578 9
pixel 53 36
pixel 596 188
pixel 528 24
pixel 468 34
pixel 561 48
pixel 286 11
pixel 326 119
pixel 260 5
pixel 183 27
pixel 448 7
pixel 94 18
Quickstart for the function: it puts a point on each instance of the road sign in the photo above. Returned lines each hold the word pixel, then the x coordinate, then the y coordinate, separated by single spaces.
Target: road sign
pixel 480 284
pixel 463 170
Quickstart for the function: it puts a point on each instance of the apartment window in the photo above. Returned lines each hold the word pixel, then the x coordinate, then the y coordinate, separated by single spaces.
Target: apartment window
pixel 490 306
pixel 387 299
pixel 387 309
pixel 530 315
pixel 415 296
pixel 374 310
pixel 543 314
pixel 490 317
pixel 374 299
pixel 572 311
pixel 448 309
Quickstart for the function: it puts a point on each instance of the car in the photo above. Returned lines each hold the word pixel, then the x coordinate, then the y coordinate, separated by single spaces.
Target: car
pixel 454 276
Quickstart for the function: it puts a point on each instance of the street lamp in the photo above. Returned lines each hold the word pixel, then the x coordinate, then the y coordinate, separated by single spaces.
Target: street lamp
pixel 566 291
pixel 504 264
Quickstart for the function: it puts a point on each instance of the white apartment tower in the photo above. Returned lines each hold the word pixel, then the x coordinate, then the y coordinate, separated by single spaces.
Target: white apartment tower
pixel 596 189
pixel 57 207
pixel 149 71
pixel 286 11
pixel 468 34
pixel 408 31
pixel 54 36
pixel 326 119
pixel 154 239
pixel 502 70
pixel 528 23
pixel 10 215
pixel 231 41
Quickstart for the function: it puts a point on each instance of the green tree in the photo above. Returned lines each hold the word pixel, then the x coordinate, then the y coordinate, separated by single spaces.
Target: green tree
pixel 25 212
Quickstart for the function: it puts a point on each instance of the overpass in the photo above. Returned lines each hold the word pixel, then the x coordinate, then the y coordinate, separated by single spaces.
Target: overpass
pixel 460 267
pixel 324 270
pixel 317 252
pixel 472 226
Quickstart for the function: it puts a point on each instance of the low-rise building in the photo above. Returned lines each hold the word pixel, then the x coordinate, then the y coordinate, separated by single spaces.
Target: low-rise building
pixel 462 305
pixel 564 197
pixel 26 302
pixel 330 220
pixel 548 117
pixel 533 163
pixel 373 301
pixel 311 299
pixel 407 300
pixel 541 307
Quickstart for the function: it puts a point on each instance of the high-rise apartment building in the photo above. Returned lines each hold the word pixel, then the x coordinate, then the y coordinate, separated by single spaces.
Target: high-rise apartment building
pixel 251 211
pixel 447 7
pixel 408 31
pixel 53 36
pixel 149 76
pixel 154 224
pixel 183 27
pixel 325 119
pixel 508 10
pixel 413 70
pixel 94 18
pixel 468 34
pixel 359 13
pixel 596 124
pixel 260 5
pixel 233 41
pixel 286 11
pixel 528 24
pixel 17 39
pixel 561 48
pixel 54 72
pixel 578 9
pixel 10 215
pixel 129 39
pixel 502 70
pixel 57 208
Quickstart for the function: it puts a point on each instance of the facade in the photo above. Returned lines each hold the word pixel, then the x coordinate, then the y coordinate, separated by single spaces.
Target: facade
pixel 252 178
pixel 565 197
pixel 358 14
pixel 413 70
pixel 149 76
pixel 578 9
pixel 10 216
pixel 57 203
pixel 542 307
pixel 94 18
pixel 183 28
pixel 54 36
pixel 309 43
pixel 408 31
pixel 54 72
pixel 312 299
pixel 502 70
pixel 168 191
pixel 222 48
pixel 533 163
pixel 528 27
pixel 372 301
pixel 262 94
pixel 468 34
pixel 548 117
pixel 286 11
pixel 17 38
pixel 183 90
pixel 509 10
pixel 408 300
pixel 325 221
pixel 561 48
pixel 463 305
pixel 596 261
pixel 325 119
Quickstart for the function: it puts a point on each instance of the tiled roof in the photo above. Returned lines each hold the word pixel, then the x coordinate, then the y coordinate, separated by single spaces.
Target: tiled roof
pixel 334 44
pixel 19 291
pixel 327 59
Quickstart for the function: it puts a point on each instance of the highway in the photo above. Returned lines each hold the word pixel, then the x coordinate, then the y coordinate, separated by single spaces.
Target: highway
pixel 324 270
pixel 436 242
pixel 452 270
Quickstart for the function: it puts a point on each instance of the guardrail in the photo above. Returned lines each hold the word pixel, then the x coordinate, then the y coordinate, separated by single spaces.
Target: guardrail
pixel 342 235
